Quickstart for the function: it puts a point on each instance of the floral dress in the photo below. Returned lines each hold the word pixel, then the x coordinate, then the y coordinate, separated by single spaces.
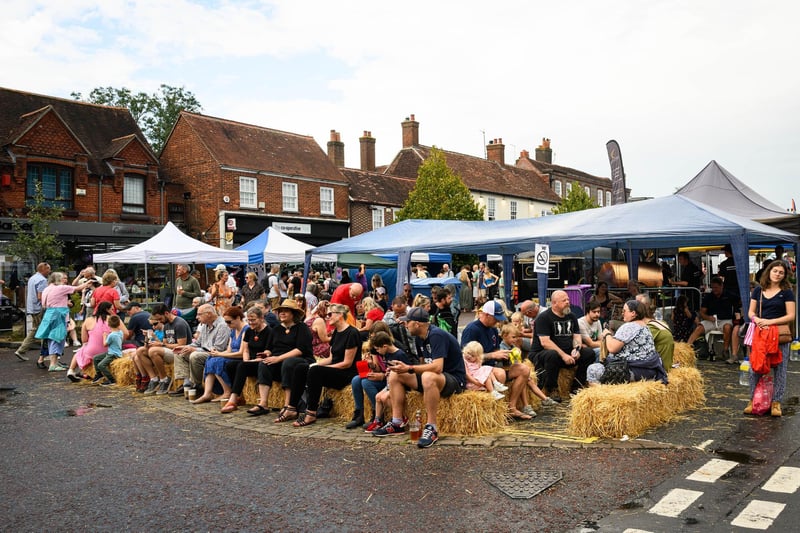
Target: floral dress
pixel 682 325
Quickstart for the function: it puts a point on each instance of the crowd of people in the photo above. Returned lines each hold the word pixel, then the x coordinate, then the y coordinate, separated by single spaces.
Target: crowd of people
pixel 307 335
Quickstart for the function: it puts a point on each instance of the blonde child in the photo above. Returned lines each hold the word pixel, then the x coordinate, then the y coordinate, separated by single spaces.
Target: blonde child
pixel 512 340
pixel 480 376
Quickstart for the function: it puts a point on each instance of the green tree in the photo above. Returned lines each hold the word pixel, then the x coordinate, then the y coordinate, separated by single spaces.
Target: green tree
pixel 576 200
pixel 41 242
pixel 439 194
pixel 155 113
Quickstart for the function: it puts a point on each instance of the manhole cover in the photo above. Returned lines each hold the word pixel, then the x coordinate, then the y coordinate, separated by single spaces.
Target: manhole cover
pixel 524 484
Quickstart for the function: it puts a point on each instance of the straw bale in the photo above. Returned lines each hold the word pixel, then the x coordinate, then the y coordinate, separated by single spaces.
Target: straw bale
pixel 684 354
pixel 124 371
pixel 630 409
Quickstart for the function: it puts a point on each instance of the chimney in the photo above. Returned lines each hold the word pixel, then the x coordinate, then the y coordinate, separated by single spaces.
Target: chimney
pixel 410 132
pixel 543 152
pixel 524 154
pixel 367 151
pixel 336 149
pixel 496 151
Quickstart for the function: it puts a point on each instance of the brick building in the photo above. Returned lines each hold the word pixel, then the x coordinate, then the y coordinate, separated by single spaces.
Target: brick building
pixel 91 160
pixel 240 178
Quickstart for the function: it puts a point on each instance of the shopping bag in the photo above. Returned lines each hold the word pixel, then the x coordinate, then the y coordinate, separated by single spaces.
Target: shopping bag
pixel 762 397
pixel 748 335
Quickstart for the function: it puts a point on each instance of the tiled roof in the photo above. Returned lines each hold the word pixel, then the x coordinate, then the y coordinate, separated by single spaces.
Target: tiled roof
pixel 478 174
pixel 255 148
pixel 95 126
pixel 548 168
pixel 377 188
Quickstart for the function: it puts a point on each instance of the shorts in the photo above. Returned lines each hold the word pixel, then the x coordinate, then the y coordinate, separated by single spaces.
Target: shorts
pixel 710 326
pixel 169 355
pixel 451 385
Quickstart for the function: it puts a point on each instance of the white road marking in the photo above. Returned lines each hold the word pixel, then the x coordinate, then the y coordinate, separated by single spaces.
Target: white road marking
pixel 785 479
pixel 712 470
pixel 704 445
pixel 629 530
pixel 675 502
pixel 758 514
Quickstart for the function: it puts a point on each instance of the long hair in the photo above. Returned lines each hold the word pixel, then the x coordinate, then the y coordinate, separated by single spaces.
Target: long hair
pixel 103 311
pixel 765 282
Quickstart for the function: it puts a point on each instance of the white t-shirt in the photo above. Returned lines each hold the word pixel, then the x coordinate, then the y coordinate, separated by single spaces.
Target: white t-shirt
pixel 593 331
pixel 273 286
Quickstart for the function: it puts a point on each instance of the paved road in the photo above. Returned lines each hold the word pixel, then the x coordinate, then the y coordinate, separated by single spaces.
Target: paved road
pixel 160 463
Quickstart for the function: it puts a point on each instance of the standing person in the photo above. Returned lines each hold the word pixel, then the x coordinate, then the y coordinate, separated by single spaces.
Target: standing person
pixel 273 288
pixel 187 288
pixel 220 291
pixel 348 294
pixel 465 293
pixel 33 307
pixel 251 289
pixel 491 283
pixel 53 327
pixel 727 269
pixel 557 344
pixel 772 304
pixel 691 277
pixel 107 292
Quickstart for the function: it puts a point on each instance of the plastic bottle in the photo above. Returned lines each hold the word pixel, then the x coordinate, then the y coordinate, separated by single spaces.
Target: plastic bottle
pixel 415 426
pixel 744 372
pixel 794 355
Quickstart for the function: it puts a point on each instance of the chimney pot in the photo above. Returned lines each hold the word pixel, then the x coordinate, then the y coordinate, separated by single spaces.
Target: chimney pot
pixel 336 149
pixel 410 132
pixel 367 145
pixel 496 152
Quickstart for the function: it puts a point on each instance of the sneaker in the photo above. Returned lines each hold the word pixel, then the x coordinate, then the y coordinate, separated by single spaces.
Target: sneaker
pixel 499 386
pixel 57 368
pixel 108 383
pixel 143 385
pixel 549 402
pixel 528 410
pixel 20 356
pixel 388 430
pixel 97 378
pixel 73 377
pixel 163 386
pixel 152 387
pixel 372 426
pixel 138 382
pixel 497 395
pixel 429 436
pixel 555 399
pixel 179 390
pixel 405 422
pixel 76 343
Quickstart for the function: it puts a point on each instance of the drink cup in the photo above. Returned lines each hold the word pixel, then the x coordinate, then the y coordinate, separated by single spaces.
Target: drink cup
pixel 192 394
pixel 415 433
pixel 186 393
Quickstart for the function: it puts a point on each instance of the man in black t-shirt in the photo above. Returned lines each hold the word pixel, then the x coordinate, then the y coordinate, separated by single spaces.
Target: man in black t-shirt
pixel 691 276
pixel 727 269
pixel 557 344
pixel 717 313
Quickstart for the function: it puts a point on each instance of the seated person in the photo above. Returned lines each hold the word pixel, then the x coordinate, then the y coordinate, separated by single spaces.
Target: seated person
pixel 662 336
pixel 590 327
pixel 557 344
pixel 717 313
pixel 153 356
pixel 190 360
pixel 634 343
pixel 215 365
pixel 684 320
pixel 529 310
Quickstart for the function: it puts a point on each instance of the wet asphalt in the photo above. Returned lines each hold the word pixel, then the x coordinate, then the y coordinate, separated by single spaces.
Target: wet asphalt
pixel 130 463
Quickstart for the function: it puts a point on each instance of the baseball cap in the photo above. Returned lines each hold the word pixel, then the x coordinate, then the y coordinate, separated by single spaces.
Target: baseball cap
pixel 380 290
pixel 219 268
pixel 131 305
pixel 495 309
pixel 417 314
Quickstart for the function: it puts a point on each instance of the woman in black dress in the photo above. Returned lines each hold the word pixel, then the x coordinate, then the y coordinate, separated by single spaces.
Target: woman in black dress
pixel 255 342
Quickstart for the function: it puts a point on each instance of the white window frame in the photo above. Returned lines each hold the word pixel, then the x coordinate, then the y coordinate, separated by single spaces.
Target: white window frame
pixel 248 193
pixel 378 220
pixel 608 198
pixel 491 208
pixel 326 203
pixel 134 194
pixel 600 197
pixel 557 188
pixel 289 195
pixel 567 188
pixel 512 210
pixel 587 190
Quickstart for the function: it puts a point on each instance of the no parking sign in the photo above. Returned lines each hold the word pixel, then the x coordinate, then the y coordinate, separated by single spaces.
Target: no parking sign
pixel 541 256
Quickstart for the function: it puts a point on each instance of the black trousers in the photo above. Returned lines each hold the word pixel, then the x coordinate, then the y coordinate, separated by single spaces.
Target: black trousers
pixel 549 362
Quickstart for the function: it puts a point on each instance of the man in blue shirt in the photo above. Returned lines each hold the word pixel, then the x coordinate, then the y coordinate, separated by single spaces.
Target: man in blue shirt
pixel 138 323
pixel 440 374
pixel 484 331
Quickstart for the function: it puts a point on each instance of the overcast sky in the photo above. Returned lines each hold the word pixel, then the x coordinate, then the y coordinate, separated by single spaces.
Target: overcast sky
pixel 676 83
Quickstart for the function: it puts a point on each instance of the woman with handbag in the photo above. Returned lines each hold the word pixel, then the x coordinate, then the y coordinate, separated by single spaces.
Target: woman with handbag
pixel 772 305
pixel 631 345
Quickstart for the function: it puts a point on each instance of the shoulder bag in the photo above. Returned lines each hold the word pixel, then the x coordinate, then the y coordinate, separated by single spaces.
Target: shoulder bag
pixel 784 332
pixel 616 372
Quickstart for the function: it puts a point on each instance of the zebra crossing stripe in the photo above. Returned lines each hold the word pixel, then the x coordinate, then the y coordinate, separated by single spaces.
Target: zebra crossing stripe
pixel 712 470
pixel 785 479
pixel 758 514
pixel 675 502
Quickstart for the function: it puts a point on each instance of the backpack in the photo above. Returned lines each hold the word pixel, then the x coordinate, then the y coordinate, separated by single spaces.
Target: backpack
pixel 404 341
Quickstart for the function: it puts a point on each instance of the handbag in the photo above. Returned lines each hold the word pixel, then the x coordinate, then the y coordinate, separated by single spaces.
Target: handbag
pixel 616 372
pixel 748 335
pixel 325 408
pixel 762 396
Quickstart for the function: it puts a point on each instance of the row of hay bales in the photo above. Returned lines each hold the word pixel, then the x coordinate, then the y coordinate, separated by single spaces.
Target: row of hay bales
pixel 609 411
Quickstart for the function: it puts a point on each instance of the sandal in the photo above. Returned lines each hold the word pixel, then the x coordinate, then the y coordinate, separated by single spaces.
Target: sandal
pixel 287 413
pixel 519 415
pixel 305 421
pixel 201 399
pixel 228 408
pixel 257 410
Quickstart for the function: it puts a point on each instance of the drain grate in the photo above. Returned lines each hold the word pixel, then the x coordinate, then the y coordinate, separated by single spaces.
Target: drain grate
pixel 524 484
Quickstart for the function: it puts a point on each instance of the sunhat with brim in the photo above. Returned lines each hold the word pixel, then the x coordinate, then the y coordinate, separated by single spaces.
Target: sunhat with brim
pixel 220 267
pixel 292 306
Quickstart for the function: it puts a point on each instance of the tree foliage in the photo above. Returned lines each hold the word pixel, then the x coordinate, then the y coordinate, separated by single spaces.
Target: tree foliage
pixel 576 200
pixel 439 194
pixel 41 242
pixel 155 113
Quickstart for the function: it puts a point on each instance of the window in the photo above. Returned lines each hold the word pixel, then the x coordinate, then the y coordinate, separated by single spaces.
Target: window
pixel 133 194
pixel 608 197
pixel 56 182
pixel 326 200
pixel 512 207
pixel 290 197
pixel 248 193
pixel 568 188
pixel 377 217
pixel 588 191
pixel 557 187
pixel 600 197
pixel 490 207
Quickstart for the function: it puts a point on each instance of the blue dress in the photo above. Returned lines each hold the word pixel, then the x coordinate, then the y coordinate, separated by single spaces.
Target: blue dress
pixel 216 365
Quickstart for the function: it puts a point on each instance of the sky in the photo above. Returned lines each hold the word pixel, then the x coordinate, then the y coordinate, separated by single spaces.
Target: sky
pixel 676 83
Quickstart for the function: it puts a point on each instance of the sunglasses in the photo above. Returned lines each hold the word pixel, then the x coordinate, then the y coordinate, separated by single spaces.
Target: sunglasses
pixel 332 313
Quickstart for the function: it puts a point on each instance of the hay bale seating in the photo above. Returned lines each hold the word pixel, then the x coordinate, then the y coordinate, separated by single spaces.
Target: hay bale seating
pixel 612 411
